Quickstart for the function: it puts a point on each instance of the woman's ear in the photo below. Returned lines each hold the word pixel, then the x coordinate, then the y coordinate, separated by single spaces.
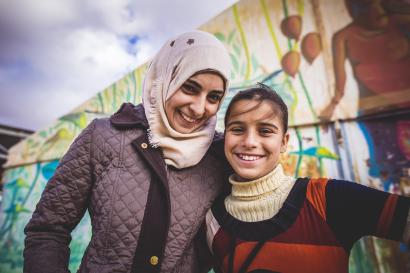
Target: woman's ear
pixel 284 144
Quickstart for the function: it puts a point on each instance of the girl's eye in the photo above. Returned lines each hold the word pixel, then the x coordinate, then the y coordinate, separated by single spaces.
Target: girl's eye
pixel 214 98
pixel 236 130
pixel 265 131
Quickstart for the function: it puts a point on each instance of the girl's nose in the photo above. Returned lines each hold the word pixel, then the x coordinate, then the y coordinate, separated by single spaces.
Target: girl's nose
pixel 250 140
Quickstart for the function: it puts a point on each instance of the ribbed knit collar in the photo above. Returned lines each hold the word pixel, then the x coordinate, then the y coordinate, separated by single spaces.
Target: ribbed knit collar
pixel 256 188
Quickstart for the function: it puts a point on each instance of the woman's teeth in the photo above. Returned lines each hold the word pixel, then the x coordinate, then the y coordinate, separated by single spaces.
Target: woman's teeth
pixel 191 120
pixel 249 157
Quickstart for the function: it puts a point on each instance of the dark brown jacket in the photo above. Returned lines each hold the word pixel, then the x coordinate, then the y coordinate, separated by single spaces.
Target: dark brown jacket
pixel 108 170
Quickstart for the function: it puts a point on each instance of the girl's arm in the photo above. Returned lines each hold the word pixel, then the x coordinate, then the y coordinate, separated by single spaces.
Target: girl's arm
pixel 62 205
pixel 354 211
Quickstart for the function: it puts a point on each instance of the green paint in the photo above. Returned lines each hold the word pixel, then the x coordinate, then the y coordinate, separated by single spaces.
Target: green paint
pixel 285 8
pixel 243 38
pixel 271 30
pixel 101 101
pixel 300 146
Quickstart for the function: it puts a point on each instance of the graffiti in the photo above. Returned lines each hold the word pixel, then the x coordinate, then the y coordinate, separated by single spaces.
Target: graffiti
pixel 377 47
pixel 286 45
pixel 22 191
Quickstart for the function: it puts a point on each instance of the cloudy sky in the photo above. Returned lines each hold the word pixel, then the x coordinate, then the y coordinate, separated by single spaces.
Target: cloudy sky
pixel 55 54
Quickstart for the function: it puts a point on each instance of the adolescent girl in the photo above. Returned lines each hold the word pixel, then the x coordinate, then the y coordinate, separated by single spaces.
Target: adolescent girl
pixel 271 222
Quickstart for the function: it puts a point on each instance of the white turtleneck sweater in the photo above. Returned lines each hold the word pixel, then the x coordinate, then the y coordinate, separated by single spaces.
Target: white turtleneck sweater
pixel 259 199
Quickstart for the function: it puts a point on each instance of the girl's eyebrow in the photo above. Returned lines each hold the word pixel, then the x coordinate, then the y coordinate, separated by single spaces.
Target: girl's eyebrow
pixel 269 125
pixel 235 122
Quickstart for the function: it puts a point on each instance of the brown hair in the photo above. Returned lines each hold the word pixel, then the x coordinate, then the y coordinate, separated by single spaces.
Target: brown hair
pixel 261 93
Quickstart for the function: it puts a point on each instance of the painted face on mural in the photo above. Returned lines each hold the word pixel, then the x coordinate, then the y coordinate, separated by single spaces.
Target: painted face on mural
pixel 370 14
pixel 254 139
pixel 195 102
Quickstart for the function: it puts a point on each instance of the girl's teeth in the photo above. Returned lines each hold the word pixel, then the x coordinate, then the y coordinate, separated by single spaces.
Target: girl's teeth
pixel 249 157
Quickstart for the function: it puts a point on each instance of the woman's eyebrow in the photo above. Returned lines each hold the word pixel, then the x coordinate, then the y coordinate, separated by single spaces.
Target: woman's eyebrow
pixel 193 82
pixel 218 91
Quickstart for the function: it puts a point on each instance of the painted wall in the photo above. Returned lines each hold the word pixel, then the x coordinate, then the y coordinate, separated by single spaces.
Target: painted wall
pixel 314 53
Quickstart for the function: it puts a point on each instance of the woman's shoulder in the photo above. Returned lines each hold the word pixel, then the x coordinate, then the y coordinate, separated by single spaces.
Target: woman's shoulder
pixel 129 116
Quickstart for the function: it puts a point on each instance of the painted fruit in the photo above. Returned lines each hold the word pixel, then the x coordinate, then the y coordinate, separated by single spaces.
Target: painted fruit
pixel 311 46
pixel 291 26
pixel 290 62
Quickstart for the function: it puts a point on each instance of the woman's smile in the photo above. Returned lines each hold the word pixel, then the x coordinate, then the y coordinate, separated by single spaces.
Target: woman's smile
pixel 195 102
pixel 188 119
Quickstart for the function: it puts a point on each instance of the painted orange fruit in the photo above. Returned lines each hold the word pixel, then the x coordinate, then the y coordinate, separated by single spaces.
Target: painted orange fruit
pixel 291 26
pixel 290 62
pixel 311 46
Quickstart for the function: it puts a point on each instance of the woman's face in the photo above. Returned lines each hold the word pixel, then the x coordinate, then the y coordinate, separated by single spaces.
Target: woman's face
pixel 197 100
pixel 254 139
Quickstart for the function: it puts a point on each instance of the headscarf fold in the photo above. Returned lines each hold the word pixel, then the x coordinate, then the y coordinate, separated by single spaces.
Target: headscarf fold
pixel 177 61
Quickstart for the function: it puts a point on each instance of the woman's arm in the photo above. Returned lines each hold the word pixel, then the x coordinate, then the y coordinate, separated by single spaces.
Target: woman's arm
pixel 202 251
pixel 62 205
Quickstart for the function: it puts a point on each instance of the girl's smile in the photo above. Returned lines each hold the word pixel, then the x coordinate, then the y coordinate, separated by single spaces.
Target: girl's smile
pixel 254 139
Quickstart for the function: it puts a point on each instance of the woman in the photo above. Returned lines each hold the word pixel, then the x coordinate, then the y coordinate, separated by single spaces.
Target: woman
pixel 274 223
pixel 145 175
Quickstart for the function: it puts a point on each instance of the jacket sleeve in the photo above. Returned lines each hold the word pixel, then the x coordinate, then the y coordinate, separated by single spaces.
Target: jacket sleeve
pixel 354 211
pixel 203 254
pixel 62 205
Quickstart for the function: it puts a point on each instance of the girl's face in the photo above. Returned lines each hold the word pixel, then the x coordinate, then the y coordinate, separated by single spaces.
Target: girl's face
pixel 195 102
pixel 254 139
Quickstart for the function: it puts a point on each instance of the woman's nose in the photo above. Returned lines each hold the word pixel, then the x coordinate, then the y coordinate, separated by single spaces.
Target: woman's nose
pixel 198 106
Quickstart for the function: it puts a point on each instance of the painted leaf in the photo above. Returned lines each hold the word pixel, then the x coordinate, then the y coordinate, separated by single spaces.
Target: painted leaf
pixel 48 169
pixel 231 35
pixel 319 152
pixel 235 63
pixel 220 36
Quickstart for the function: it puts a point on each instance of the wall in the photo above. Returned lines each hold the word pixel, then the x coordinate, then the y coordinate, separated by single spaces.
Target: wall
pixel 344 61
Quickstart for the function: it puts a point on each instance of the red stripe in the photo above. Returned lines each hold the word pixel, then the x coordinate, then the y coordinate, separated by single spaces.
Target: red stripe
pixel 316 194
pixel 387 216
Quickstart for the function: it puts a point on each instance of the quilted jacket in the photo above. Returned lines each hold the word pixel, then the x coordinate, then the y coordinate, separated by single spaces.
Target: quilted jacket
pixel 106 172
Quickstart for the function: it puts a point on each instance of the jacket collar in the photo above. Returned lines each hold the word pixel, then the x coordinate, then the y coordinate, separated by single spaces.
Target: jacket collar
pixel 129 116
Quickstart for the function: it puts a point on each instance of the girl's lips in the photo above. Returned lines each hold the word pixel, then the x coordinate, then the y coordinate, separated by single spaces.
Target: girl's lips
pixel 248 157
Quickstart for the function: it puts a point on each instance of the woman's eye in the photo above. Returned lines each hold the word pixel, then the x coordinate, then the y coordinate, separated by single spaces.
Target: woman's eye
pixel 214 98
pixel 189 89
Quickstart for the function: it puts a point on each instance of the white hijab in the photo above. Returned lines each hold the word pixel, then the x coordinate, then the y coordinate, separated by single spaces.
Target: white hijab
pixel 177 61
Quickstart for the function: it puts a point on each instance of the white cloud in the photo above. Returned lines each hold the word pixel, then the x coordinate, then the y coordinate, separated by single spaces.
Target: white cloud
pixel 55 54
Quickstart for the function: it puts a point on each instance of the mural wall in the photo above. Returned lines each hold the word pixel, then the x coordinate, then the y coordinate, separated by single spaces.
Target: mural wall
pixel 342 67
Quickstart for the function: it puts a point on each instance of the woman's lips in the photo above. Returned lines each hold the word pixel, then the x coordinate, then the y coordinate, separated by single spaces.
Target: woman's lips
pixel 187 121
